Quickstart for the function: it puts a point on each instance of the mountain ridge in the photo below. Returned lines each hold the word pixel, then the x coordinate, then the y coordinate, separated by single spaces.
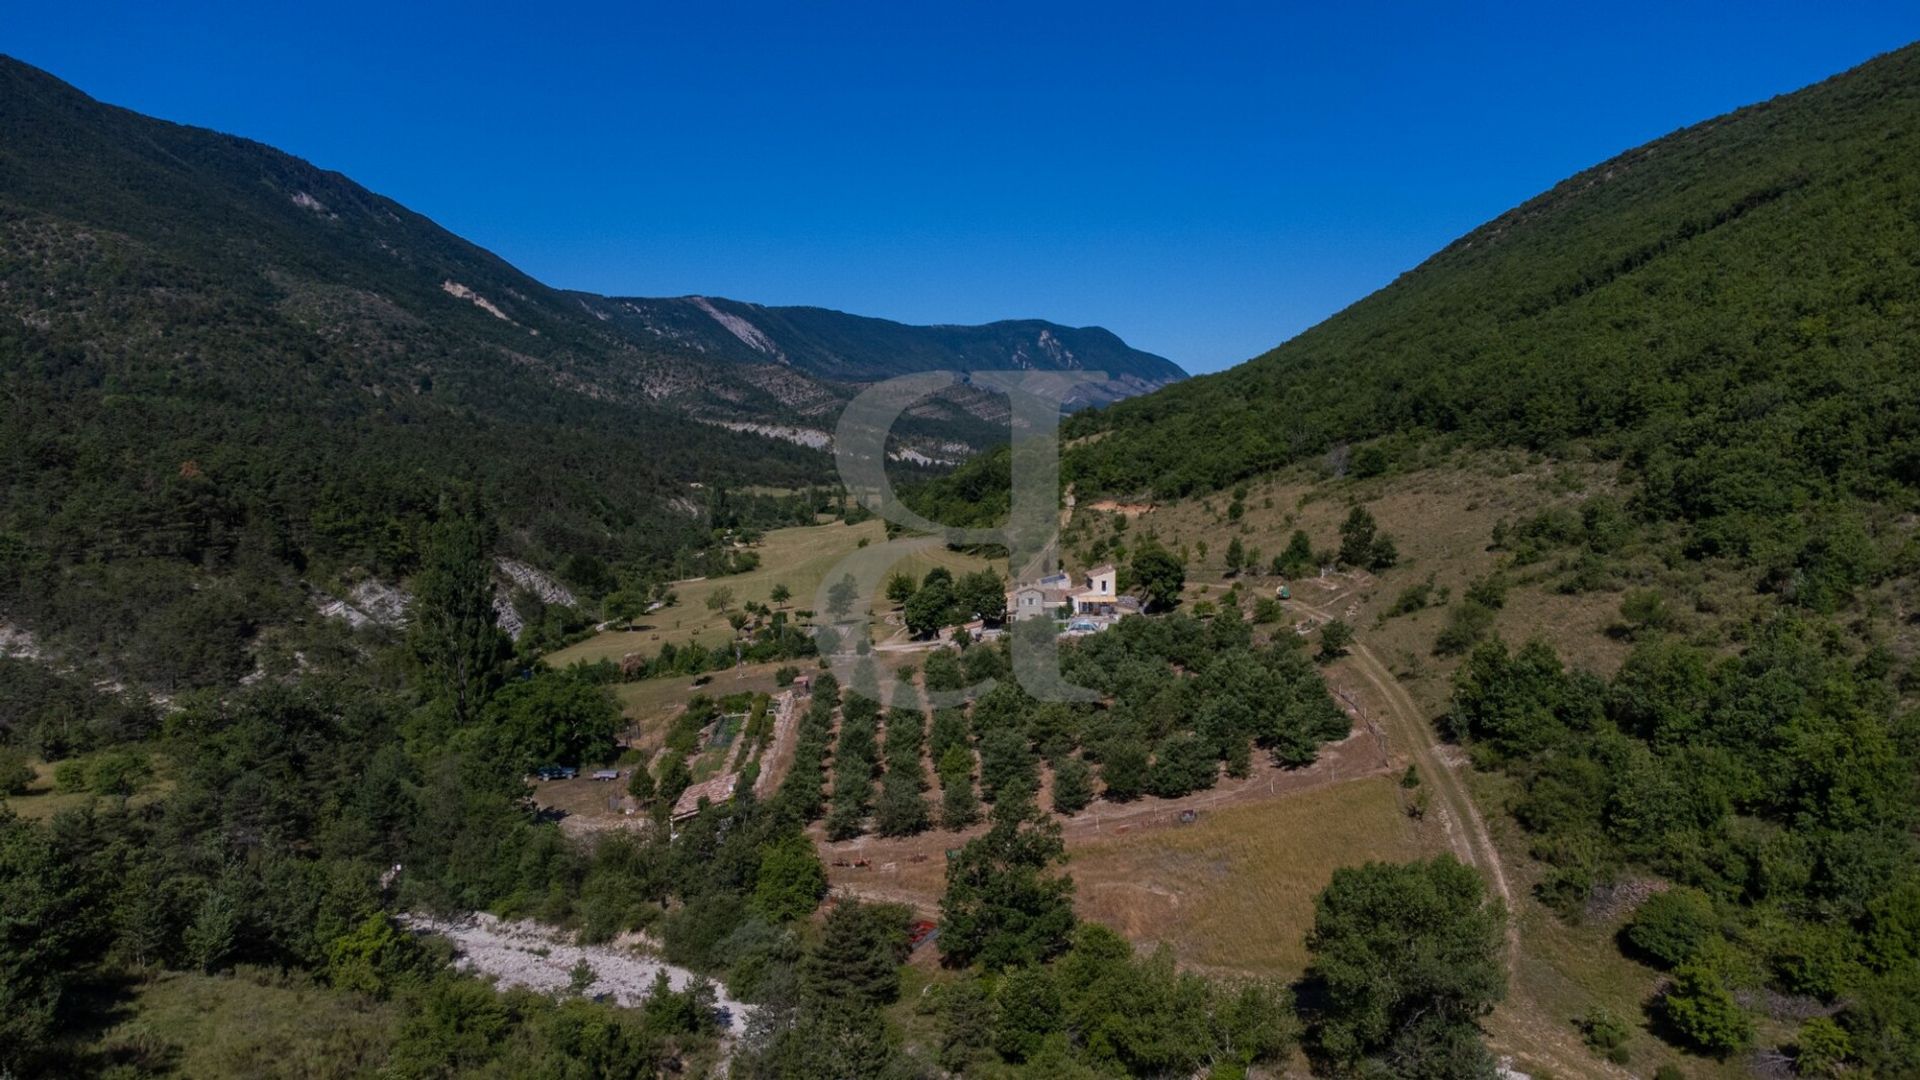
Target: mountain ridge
pixel 263 203
pixel 232 376
pixel 1678 307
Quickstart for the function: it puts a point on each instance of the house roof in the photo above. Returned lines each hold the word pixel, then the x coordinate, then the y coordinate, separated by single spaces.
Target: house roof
pixel 1103 568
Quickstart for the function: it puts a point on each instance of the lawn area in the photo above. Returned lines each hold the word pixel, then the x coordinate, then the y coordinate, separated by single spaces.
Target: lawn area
pixel 42 800
pixel 799 558
pixel 254 1023
pixel 649 703
pixel 1234 890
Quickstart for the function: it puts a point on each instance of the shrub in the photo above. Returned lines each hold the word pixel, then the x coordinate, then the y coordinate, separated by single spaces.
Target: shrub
pixel 1605 1034
pixel 15 772
pixel 1671 926
pixel 70 775
pixel 1467 623
pixel 1701 1010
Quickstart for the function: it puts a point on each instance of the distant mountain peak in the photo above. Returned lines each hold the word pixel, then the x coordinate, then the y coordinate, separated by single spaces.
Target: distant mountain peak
pixel 209 203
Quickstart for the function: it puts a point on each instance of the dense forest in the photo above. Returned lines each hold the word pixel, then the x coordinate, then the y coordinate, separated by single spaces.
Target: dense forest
pixel 1727 311
pixel 233 379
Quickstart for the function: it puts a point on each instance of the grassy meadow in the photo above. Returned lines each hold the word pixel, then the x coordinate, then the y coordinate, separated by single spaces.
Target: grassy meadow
pixel 1234 890
pixel 799 558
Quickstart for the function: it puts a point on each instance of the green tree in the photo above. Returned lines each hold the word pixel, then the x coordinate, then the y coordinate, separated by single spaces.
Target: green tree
pixel 1005 761
pixel 1026 1010
pixel 1236 557
pixel 1822 1048
pixel 118 773
pixel 374 957
pixel 1124 769
pixel 1406 960
pixel 841 596
pixel 1467 623
pixel 929 608
pixel 554 717
pixel 1072 785
pixel 1384 554
pixel 675 778
pixel 452 627
pixel 858 959
pixel 791 881
pixel 1335 637
pixel 49 915
pixel 1671 926
pixel 1297 560
pixel 1700 1009
pixel 215 930
pixel 16 775
pixel 901 809
pixel 982 594
pixel 959 806
pixel 1159 573
pixel 901 587
pixel 640 783
pixel 1003 906
pixel 1357 535
pixel 780 594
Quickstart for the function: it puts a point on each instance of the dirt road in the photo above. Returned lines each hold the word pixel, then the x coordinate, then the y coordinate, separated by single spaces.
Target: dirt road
pixel 1535 1034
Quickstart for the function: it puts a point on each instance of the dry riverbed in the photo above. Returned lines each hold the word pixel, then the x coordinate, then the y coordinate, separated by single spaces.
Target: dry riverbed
pixel 543 959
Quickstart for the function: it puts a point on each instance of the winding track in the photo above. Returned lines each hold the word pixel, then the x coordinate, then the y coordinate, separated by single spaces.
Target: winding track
pixel 1542 1038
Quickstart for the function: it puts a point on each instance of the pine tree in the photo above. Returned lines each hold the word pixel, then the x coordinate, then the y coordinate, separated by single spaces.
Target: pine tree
pixel 640 783
pixel 452 621
pixel 1357 536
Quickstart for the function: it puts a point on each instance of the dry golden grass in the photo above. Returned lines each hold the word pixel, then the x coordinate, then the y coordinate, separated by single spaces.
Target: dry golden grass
pixel 799 558
pixel 649 703
pixel 1234 890
pixel 1442 520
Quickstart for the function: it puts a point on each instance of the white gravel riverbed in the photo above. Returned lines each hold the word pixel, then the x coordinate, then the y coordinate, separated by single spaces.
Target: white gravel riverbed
pixel 542 959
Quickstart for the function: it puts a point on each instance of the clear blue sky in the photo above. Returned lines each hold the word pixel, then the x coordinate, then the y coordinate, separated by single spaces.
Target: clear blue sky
pixel 1204 179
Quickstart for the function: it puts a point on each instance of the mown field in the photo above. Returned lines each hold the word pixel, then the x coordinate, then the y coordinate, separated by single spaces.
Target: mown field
pixel 251 1023
pixel 799 558
pixel 1234 891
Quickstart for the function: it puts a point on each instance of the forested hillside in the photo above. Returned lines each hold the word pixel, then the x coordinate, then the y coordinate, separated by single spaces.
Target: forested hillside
pixel 230 375
pixel 1729 311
